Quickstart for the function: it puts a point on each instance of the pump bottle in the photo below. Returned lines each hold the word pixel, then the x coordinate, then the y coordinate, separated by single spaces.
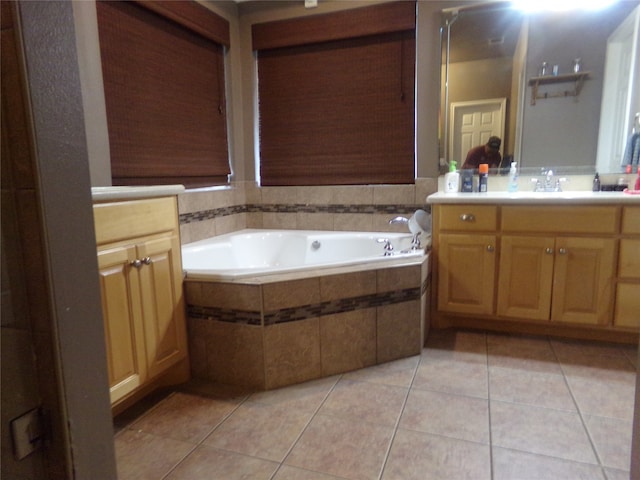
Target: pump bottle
pixel 513 178
pixel 452 179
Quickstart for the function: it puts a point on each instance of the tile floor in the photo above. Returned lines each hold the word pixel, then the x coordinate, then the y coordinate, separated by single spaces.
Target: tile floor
pixel 472 405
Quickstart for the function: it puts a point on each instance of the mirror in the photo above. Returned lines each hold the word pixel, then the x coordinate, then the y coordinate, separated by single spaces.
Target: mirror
pixel 493 84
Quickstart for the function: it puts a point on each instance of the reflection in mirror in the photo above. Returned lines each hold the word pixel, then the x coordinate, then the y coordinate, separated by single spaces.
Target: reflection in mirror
pixel 493 84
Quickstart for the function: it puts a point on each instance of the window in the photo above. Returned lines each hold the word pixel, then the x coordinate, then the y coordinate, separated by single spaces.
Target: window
pixel 163 70
pixel 336 97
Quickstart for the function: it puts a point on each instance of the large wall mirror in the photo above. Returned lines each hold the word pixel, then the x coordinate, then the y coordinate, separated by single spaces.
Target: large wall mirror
pixel 493 84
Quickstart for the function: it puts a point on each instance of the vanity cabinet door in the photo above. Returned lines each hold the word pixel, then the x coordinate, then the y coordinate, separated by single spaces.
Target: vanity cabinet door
pixel 163 303
pixel 583 280
pixel 122 313
pixel 466 273
pixel 525 278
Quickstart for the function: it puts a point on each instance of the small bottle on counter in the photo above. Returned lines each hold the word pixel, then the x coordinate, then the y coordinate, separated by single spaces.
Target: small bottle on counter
pixel 596 183
pixel 452 179
pixel 467 180
pixel 513 177
pixel 637 186
pixel 483 177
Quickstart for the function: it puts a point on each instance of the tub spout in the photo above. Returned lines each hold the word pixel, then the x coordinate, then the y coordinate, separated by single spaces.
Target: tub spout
pixel 402 220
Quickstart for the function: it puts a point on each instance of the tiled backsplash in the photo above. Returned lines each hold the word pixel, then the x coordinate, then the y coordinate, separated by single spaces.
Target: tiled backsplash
pixel 215 211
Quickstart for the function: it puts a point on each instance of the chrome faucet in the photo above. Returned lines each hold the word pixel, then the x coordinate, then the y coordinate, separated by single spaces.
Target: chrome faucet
pixel 402 220
pixel 415 241
pixel 548 184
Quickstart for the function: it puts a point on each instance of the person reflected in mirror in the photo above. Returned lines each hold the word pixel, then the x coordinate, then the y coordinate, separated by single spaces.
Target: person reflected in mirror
pixel 488 153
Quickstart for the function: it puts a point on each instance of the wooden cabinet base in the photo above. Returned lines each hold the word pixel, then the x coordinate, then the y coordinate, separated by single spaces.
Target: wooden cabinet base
pixel 444 321
pixel 175 375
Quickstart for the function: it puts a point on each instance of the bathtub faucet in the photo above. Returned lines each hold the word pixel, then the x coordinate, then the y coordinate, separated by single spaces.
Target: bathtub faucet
pixel 415 241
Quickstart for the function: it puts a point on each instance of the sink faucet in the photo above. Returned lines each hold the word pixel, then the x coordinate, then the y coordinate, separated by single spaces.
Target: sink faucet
pixel 548 184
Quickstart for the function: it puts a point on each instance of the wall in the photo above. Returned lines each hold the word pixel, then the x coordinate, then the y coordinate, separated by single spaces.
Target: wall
pixel 215 211
pixel 67 323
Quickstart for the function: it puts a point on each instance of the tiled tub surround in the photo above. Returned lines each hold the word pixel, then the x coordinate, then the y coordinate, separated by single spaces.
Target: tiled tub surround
pixel 280 330
pixel 208 212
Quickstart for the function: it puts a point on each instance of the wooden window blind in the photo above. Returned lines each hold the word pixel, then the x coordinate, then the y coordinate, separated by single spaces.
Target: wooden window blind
pixel 163 70
pixel 338 110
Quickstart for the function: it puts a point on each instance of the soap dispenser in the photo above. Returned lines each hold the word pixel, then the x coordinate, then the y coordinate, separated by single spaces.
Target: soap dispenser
pixel 596 183
pixel 452 179
pixel 513 177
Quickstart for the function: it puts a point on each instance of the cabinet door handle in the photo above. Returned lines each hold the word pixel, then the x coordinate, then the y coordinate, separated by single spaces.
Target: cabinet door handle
pixel 548 251
pixel 468 217
pixel 491 248
pixel 562 251
pixel 147 260
pixel 136 263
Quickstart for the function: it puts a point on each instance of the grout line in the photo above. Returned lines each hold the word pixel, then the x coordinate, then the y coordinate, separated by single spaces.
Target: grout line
pixel 396 426
pixel 311 418
pixel 486 349
pixel 578 410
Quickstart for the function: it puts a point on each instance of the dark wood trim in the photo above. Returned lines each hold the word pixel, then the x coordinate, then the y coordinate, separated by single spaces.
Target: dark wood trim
pixel 357 22
pixel 193 16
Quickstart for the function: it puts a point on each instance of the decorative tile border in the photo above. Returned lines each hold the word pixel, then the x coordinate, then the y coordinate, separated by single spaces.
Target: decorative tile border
pixel 389 209
pixel 305 311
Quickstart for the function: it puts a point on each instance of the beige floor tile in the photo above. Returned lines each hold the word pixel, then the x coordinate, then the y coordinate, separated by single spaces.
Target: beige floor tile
pixel 517 342
pixel 287 472
pixel 514 465
pixel 341 447
pixel 540 430
pixel 566 350
pixel 461 355
pixel 600 367
pixel 612 438
pixel 457 341
pixel 207 463
pixel 456 376
pixel 524 359
pixel 397 372
pixel 185 417
pixel 613 474
pixel 368 402
pixel 420 456
pixel 140 456
pixel 603 398
pixel 307 396
pixel 540 389
pixel 260 430
pixel 632 354
pixel 454 416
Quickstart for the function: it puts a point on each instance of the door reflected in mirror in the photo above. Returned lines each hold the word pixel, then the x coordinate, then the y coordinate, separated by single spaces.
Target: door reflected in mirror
pixel 491 55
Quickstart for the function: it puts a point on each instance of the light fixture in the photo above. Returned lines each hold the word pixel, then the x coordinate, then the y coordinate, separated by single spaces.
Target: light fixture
pixel 560 5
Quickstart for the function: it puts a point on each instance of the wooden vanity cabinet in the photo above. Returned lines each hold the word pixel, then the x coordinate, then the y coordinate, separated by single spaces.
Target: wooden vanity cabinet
pixel 559 268
pixel 140 272
pixel 627 311
pixel 510 265
pixel 466 263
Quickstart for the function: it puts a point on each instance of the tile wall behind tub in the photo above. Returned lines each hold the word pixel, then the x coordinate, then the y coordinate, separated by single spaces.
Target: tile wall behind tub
pixel 215 211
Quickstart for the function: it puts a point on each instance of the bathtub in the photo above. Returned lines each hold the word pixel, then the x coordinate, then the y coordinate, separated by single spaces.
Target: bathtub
pixel 256 252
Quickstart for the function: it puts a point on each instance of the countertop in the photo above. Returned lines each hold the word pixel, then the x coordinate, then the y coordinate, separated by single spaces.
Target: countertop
pixel 107 194
pixel 536 198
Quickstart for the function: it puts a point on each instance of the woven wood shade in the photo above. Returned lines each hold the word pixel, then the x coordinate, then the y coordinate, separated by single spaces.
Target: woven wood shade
pixel 164 91
pixel 338 111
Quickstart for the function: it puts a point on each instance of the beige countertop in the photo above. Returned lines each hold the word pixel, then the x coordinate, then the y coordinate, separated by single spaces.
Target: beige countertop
pixel 108 194
pixel 536 198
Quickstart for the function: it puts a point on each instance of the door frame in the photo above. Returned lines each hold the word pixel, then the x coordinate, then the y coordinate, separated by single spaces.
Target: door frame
pixel 457 107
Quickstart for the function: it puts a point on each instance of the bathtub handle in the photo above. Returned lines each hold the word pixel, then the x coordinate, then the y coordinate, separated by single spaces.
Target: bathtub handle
pixel 388 248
